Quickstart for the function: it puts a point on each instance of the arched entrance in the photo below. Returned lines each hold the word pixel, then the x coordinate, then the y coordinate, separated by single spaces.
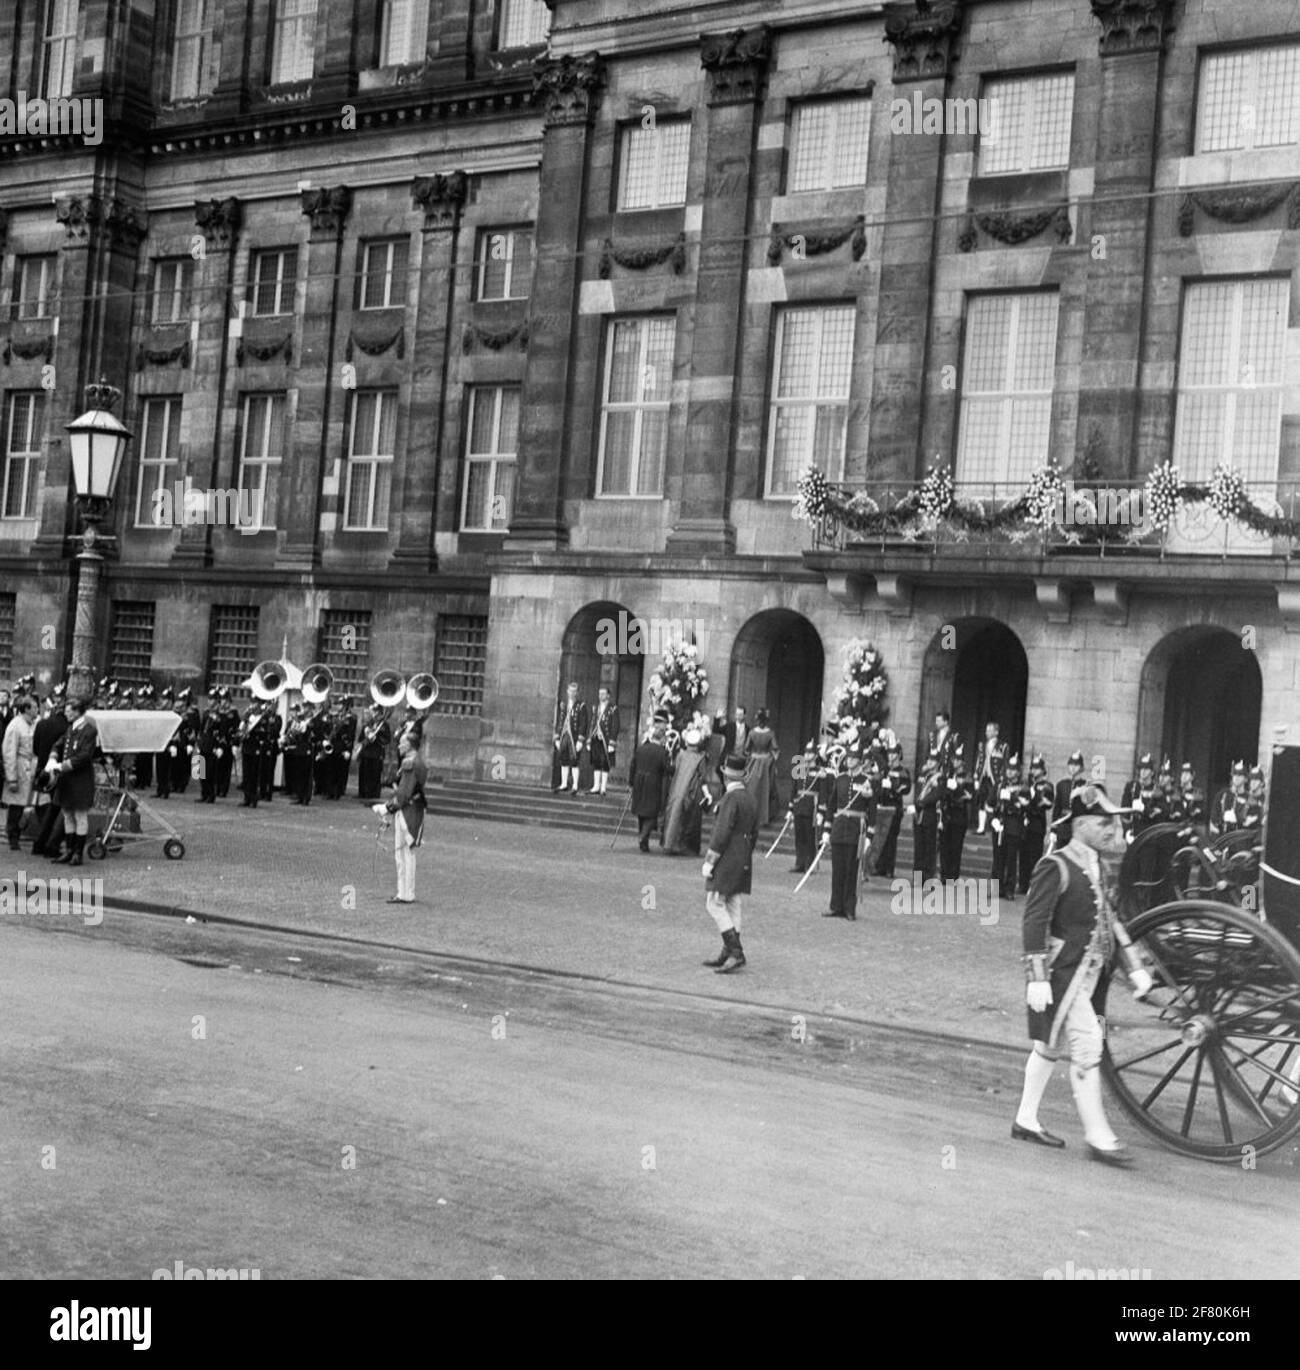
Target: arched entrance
pixel 620 673
pixel 1200 701
pixel 977 669
pixel 777 663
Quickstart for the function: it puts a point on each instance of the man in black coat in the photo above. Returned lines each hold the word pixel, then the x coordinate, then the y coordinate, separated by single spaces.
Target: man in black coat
pixel 53 724
pixel 648 778
pixel 729 864
pixel 74 788
pixel 375 739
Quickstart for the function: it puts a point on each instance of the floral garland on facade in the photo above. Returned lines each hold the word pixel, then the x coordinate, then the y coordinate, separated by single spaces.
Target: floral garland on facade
pixel 680 684
pixel 860 700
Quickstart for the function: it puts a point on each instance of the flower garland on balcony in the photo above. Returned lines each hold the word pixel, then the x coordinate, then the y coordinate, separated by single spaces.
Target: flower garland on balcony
pixel 860 700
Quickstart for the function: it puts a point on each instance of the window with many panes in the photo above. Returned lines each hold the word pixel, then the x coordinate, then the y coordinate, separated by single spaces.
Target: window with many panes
pixel 293 43
pixel 828 144
pixel 261 453
pixel 404 32
pixel 1029 119
pixel 1008 368
pixel 505 263
pixel 634 411
pixel 460 663
pixel 34 287
pixel 491 447
pixel 60 55
pixel 8 623
pixel 812 369
pixel 371 449
pixel 343 644
pixel 24 420
pixel 1230 372
pixel 652 164
pixel 524 23
pixel 130 641
pixel 1249 98
pixel 172 280
pixel 159 446
pixel 232 645
pixel 383 273
pixel 275 272
pixel 192 49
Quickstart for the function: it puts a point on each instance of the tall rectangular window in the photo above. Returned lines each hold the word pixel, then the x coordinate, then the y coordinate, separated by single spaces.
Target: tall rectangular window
pixel 505 263
pixel 1008 368
pixel 172 278
pixel 634 413
pixel 191 49
pixel 404 34
pixel 371 450
pixel 8 624
pixel 653 164
pixel 293 43
pixel 160 454
pixel 60 64
pixel 460 663
pixel 232 645
pixel 1230 372
pixel 491 449
pixel 828 144
pixel 383 273
pixel 1030 119
pixel 261 453
pixel 130 641
pixel 275 272
pixel 34 287
pixel 343 644
pixel 1249 98
pixel 812 371
pixel 524 23
pixel 24 420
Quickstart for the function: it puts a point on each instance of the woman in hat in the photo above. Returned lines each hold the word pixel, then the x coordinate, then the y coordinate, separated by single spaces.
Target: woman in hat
pixel 761 756
pixel 682 816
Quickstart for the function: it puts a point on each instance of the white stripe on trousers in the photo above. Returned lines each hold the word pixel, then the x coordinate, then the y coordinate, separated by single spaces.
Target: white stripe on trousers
pixel 404 854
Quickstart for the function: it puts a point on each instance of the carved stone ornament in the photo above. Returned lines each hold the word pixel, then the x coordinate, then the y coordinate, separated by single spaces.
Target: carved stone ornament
pixel 1132 25
pixel 28 349
pixel 441 197
pixel 736 63
pixel 638 259
pixel 923 33
pixel 125 224
pixel 376 347
pixel 494 341
pixel 78 214
pixel 1240 204
pixel 327 208
pixel 804 243
pixel 1011 227
pixel 163 356
pixel 566 87
pixel 263 352
pixel 219 220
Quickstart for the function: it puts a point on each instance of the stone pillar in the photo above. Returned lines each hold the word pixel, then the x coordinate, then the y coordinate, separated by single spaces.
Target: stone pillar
pixel 923 42
pixel 300 486
pixel 218 221
pixel 736 64
pixel 232 26
pixel 441 197
pixel 1124 163
pixel 567 88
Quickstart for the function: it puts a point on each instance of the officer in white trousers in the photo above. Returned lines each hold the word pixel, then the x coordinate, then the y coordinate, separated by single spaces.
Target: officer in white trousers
pixel 406 808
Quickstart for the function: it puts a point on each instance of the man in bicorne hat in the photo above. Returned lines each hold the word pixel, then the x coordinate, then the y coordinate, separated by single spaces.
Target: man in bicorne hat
pixel 729 864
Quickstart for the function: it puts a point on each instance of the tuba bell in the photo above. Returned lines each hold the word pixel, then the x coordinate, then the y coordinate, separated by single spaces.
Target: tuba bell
pixel 317 682
pixel 387 688
pixel 268 681
pixel 421 691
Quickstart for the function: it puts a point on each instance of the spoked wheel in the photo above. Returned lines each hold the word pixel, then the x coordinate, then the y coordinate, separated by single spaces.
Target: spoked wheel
pixel 1144 872
pixel 1210 1063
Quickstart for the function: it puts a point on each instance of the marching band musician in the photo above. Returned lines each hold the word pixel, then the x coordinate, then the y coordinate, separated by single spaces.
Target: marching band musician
pixel 216 746
pixel 895 786
pixel 323 753
pixel 925 819
pixel 955 797
pixel 250 741
pixel 186 740
pixel 1229 803
pixel 270 728
pixel 1010 813
pixel 604 737
pixel 1061 805
pixel 406 807
pixel 990 768
pixel 343 737
pixel 803 808
pixel 852 813
pixel 310 739
pixel 1041 801
pixel 571 720
pixel 376 737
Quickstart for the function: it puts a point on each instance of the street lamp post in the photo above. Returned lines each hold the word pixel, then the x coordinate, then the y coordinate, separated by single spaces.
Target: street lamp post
pixel 97 442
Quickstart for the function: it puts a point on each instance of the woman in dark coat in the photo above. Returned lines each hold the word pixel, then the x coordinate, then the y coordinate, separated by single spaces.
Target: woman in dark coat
pixel 74 788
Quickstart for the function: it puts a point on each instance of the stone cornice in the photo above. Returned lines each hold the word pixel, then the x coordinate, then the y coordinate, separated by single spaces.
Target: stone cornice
pixel 1132 25
pixel 923 34
pixel 567 87
pixel 736 63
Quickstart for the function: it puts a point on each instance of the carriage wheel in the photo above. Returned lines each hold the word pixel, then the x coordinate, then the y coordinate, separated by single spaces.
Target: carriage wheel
pixel 1144 872
pixel 96 850
pixel 173 849
pixel 1210 1063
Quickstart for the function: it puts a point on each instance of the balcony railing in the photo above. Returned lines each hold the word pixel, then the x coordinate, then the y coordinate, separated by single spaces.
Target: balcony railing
pixel 1101 519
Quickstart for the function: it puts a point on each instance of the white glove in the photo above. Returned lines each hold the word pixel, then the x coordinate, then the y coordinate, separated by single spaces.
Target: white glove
pixel 220 752
pixel 952 784
pixel 996 825
pixel 708 871
pixel 1138 806
pixel 1229 815
pixel 1005 793
pixel 1142 983
pixel 379 810
pixel 1038 995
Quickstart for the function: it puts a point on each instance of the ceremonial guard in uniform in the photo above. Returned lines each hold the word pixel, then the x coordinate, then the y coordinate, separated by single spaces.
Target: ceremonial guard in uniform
pixel 1188 804
pixel 1042 800
pixel 327 716
pixel 1253 810
pixel 648 778
pixel 271 726
pixel 1144 798
pixel 603 741
pixel 729 864
pixel 376 736
pixel 990 769
pixel 407 806
pixel 1070 935
pixel 217 747
pixel 142 773
pixel 251 741
pixel 343 737
pixel 1229 803
pixel 186 740
pixel 945 745
pixel 571 724
pixel 311 741
pixel 1010 816
pixel 895 786
pixel 803 808
pixel 955 795
pixel 1061 803
pixel 925 819
pixel 165 765
pixel 852 815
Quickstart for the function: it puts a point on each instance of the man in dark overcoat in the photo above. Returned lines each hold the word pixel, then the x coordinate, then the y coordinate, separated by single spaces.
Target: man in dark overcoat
pixel 74 789
pixel 648 778
pixel 729 864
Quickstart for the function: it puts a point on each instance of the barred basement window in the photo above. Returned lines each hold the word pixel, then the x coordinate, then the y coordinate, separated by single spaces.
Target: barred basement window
pixel 343 645
pixel 8 617
pixel 232 645
pixel 130 641
pixel 1031 118
pixel 1249 98
pixel 460 663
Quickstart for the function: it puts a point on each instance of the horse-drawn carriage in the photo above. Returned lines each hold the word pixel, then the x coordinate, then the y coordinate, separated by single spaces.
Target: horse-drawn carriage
pixel 1209 1061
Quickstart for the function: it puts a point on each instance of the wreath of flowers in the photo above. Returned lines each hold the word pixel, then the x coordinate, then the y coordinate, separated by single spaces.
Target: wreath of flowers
pixel 860 700
pixel 680 684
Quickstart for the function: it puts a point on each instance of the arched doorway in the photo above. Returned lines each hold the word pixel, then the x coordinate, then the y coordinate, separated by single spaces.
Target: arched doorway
pixel 976 668
pixel 582 659
pixel 777 663
pixel 1200 701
